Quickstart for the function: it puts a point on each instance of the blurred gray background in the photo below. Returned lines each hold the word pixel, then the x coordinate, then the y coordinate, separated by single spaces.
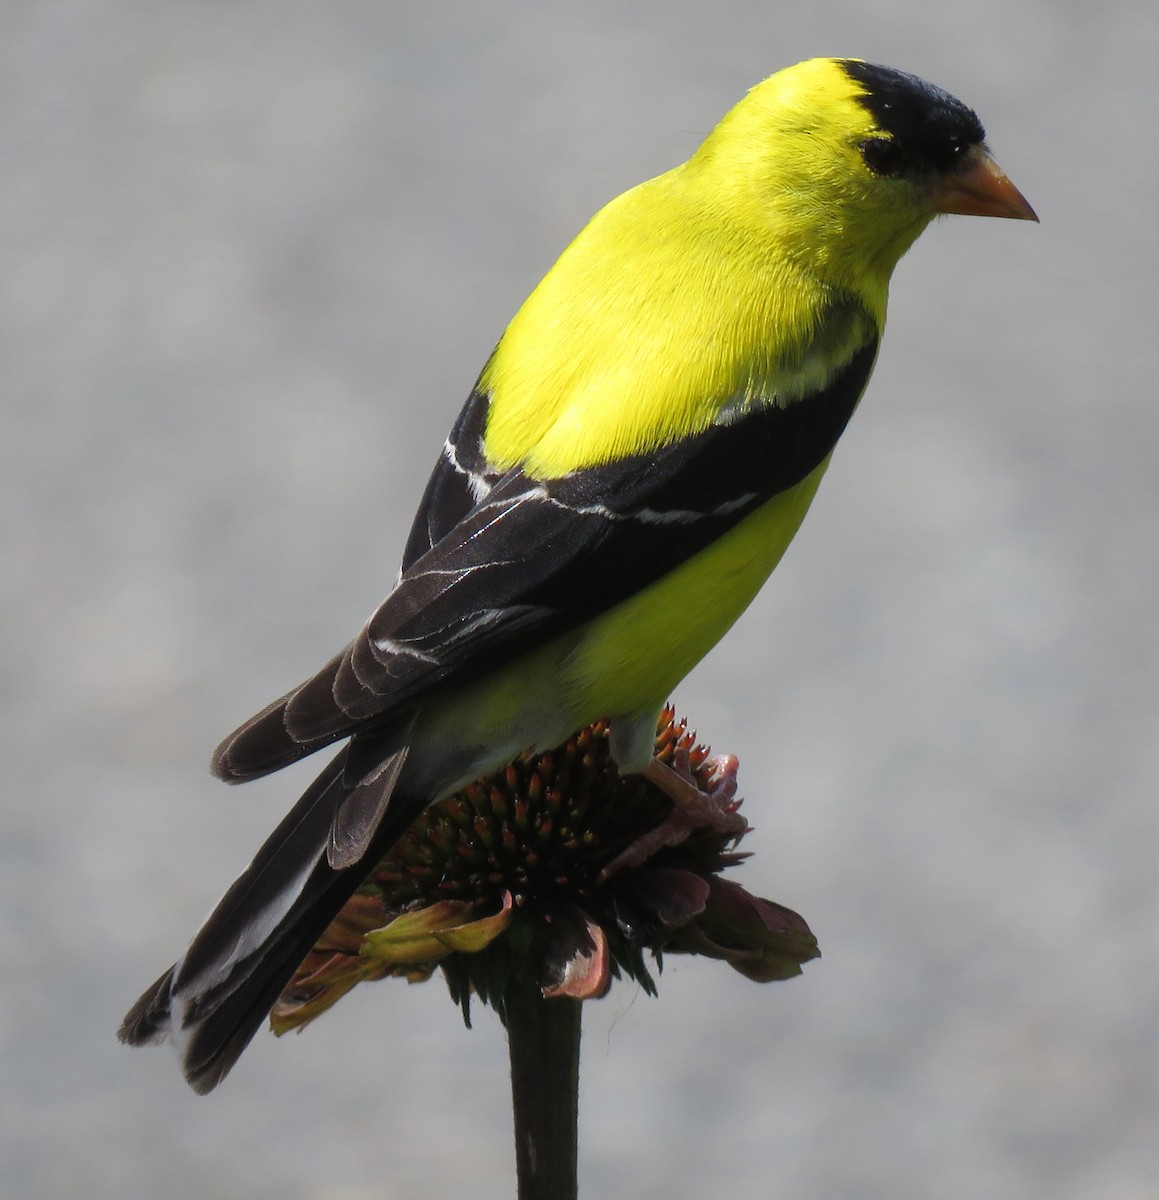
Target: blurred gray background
pixel 252 255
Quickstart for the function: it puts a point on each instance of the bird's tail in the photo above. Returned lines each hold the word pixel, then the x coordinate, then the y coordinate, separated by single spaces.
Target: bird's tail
pixel 211 1002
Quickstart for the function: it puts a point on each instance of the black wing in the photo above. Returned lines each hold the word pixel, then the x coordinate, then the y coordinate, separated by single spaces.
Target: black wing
pixel 214 999
pixel 460 480
pixel 535 558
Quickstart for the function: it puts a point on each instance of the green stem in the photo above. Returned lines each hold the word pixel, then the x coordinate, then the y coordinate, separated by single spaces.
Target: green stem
pixel 543 1039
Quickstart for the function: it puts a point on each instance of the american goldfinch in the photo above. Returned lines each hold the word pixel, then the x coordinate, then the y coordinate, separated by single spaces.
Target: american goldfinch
pixel 635 457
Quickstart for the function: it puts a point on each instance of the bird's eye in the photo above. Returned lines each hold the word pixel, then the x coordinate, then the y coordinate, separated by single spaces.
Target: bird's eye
pixel 883 156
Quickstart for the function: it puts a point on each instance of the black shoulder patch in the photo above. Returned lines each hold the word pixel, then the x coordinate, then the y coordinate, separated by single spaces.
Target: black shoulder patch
pixel 926 128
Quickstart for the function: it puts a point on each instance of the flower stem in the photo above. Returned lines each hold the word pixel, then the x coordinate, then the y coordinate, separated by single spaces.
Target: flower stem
pixel 543 1040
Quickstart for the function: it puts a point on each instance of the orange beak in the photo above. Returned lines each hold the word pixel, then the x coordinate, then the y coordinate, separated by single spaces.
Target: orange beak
pixel 981 189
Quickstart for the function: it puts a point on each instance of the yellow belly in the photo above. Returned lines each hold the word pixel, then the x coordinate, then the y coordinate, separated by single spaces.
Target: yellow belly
pixel 624 663
pixel 633 657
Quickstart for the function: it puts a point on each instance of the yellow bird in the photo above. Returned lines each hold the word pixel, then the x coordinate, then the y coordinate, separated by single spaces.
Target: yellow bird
pixel 634 459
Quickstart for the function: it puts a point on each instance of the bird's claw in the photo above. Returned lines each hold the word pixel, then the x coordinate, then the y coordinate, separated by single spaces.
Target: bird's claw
pixel 714 806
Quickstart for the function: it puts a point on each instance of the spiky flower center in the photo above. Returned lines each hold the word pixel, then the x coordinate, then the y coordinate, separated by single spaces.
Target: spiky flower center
pixel 543 828
pixel 523 876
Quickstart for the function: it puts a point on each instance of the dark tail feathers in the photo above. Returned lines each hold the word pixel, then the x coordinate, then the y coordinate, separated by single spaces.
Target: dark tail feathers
pixel 212 1001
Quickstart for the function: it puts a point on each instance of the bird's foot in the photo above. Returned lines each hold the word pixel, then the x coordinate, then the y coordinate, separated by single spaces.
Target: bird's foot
pixel 714 807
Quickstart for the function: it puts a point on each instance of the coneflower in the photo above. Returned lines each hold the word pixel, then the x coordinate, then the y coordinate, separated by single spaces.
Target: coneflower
pixel 519 889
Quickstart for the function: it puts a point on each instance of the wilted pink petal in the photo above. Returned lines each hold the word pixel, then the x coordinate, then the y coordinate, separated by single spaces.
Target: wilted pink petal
pixel 577 962
pixel 359 913
pixel 731 906
pixel 674 896
pixel 311 993
pixel 762 940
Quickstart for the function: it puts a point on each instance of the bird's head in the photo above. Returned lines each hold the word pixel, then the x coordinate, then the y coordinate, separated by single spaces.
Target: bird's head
pixel 850 161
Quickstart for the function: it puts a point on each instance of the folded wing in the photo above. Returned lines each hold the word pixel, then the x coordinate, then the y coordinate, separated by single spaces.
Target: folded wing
pixel 532 558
